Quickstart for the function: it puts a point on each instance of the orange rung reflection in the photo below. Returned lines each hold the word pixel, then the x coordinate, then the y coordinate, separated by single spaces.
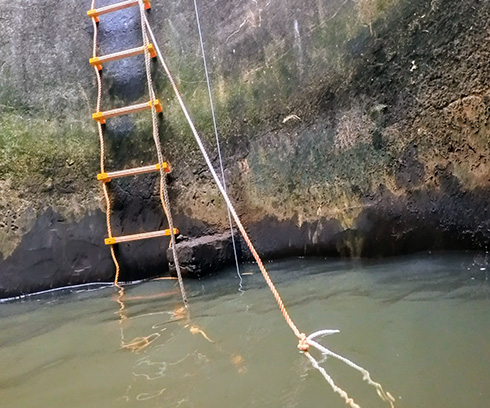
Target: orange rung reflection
pixel 140 343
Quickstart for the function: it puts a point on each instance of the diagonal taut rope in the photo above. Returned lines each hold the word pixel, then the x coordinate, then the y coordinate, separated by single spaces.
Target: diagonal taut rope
pixel 304 342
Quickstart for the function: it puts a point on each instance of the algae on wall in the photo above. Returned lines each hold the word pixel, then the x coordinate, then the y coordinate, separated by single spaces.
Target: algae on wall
pixel 266 58
pixel 270 65
pixel 356 108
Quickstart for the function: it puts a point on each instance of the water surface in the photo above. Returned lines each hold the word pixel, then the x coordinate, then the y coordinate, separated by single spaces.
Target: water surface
pixel 419 324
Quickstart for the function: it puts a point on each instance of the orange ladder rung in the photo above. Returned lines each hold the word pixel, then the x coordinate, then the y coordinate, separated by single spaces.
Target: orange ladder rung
pixel 102 116
pixel 98 61
pixel 106 177
pixel 137 237
pixel 95 13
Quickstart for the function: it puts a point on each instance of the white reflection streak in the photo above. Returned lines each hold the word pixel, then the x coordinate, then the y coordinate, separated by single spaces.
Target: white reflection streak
pixel 179 403
pixel 160 371
pixel 148 314
pixel 146 396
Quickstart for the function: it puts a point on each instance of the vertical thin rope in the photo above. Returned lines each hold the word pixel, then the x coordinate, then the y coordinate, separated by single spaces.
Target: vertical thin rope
pixel 217 143
pixel 102 153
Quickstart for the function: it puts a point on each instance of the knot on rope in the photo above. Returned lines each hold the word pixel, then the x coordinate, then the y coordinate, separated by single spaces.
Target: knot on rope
pixel 303 344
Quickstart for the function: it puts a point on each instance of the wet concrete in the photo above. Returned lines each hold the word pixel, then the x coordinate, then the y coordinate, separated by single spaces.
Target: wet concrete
pixel 346 132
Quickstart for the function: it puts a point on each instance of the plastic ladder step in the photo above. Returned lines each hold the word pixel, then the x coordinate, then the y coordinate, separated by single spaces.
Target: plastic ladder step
pixel 98 61
pixel 137 237
pixel 95 13
pixel 102 116
pixel 105 177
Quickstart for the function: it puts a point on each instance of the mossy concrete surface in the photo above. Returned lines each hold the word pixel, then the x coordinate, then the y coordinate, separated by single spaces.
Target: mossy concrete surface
pixel 352 128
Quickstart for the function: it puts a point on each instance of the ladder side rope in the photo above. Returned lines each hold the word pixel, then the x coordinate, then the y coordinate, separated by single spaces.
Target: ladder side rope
pixel 102 153
pixel 164 197
pixel 218 148
pixel 304 342
pixel 154 118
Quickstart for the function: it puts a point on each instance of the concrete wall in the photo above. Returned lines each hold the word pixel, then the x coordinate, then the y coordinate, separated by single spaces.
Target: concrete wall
pixel 353 128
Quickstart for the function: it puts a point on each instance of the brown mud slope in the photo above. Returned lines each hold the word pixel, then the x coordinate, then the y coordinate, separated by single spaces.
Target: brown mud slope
pixel 351 128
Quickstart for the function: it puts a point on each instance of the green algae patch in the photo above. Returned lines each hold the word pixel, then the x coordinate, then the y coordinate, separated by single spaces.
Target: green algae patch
pixel 44 163
pixel 277 78
pixel 33 149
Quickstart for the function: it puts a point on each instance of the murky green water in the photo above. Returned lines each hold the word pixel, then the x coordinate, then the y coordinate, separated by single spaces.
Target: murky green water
pixel 421 325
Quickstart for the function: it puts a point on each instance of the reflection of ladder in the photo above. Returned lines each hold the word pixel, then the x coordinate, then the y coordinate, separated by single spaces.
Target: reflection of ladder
pixel 100 117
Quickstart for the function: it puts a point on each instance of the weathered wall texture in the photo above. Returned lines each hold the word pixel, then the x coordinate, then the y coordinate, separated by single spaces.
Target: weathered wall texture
pixel 358 128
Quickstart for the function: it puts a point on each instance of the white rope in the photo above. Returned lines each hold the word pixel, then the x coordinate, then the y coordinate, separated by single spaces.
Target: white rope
pixel 348 400
pixel 217 143
pixel 326 332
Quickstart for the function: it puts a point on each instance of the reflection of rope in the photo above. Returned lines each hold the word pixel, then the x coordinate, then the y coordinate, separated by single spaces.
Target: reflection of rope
pixel 217 142
pixel 121 312
pixel 304 342
pixel 138 343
